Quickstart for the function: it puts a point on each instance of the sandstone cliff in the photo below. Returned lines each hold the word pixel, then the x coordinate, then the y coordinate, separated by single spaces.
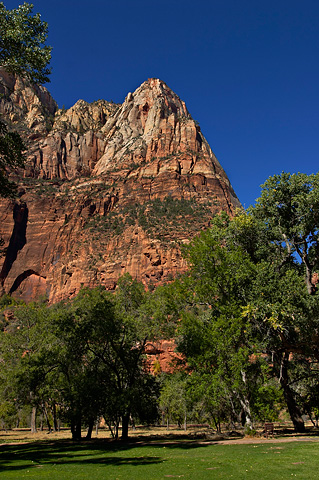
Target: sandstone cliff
pixel 107 189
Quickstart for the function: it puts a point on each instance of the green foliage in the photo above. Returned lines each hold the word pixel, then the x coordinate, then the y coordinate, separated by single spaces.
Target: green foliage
pixel 22 51
pixel 251 312
pixel 8 414
pixel 288 207
pixel 173 399
pixel 22 43
pixel 26 343
pixel 220 267
pixel 162 308
pixel 218 347
pixel 113 223
pixel 168 217
pixel 87 356
pixel 102 358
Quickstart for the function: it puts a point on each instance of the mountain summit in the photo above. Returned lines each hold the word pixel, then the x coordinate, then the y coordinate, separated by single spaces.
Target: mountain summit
pixel 108 189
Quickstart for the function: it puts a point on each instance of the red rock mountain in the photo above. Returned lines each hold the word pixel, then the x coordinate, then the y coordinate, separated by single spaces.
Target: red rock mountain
pixel 107 189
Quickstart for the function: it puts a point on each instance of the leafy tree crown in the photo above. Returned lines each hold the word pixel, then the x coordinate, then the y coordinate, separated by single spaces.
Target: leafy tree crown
pixel 22 43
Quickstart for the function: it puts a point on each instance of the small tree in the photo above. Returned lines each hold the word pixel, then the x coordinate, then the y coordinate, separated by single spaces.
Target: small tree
pixel 173 399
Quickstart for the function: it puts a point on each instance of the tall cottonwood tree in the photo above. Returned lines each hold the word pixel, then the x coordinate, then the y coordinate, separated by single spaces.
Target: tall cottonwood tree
pixel 289 211
pixel 253 311
pixel 214 336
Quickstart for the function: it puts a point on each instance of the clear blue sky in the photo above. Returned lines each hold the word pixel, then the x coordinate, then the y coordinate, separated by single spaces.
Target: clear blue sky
pixel 248 71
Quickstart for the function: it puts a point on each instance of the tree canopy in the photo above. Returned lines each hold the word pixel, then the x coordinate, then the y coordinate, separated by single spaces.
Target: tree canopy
pixel 254 313
pixel 87 356
pixel 22 43
pixel 289 209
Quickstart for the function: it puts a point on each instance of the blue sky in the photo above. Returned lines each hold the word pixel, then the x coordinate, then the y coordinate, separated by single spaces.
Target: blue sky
pixel 248 71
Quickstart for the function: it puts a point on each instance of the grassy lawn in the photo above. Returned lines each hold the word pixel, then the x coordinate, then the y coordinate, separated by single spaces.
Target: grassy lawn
pixel 60 459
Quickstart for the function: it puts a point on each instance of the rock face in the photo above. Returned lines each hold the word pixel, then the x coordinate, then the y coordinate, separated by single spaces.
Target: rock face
pixel 162 356
pixel 29 108
pixel 107 189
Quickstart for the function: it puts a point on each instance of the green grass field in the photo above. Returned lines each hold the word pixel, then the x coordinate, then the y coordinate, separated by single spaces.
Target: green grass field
pixel 62 460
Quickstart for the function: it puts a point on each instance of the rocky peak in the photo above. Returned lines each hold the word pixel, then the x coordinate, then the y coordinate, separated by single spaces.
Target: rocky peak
pixel 107 190
pixel 153 131
pixel 149 125
pixel 155 92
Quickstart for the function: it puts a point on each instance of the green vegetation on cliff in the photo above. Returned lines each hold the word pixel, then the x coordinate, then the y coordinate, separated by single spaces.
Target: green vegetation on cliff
pixel 165 219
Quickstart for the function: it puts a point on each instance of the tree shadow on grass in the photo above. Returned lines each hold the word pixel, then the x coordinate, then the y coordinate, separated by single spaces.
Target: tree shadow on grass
pixel 8 464
pixel 98 452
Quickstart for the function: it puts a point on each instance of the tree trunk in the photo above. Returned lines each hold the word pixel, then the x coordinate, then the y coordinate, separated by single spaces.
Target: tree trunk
pixel 293 409
pixel 33 420
pixel 45 413
pixel 55 423
pixel 246 408
pixel 110 427
pixel 125 422
pixel 132 423
pixel 116 428
pixel 244 402
pixel 76 428
pixel 311 288
pixel 234 415
pixel 90 429
pixel 216 423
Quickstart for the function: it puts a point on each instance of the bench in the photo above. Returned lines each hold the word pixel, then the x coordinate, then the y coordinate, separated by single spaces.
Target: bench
pixel 269 429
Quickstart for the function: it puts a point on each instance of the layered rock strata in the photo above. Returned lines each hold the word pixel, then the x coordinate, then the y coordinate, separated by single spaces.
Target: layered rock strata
pixel 107 189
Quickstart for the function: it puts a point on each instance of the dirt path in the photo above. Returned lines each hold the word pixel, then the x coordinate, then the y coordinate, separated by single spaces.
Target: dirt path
pixel 149 437
pixel 252 441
